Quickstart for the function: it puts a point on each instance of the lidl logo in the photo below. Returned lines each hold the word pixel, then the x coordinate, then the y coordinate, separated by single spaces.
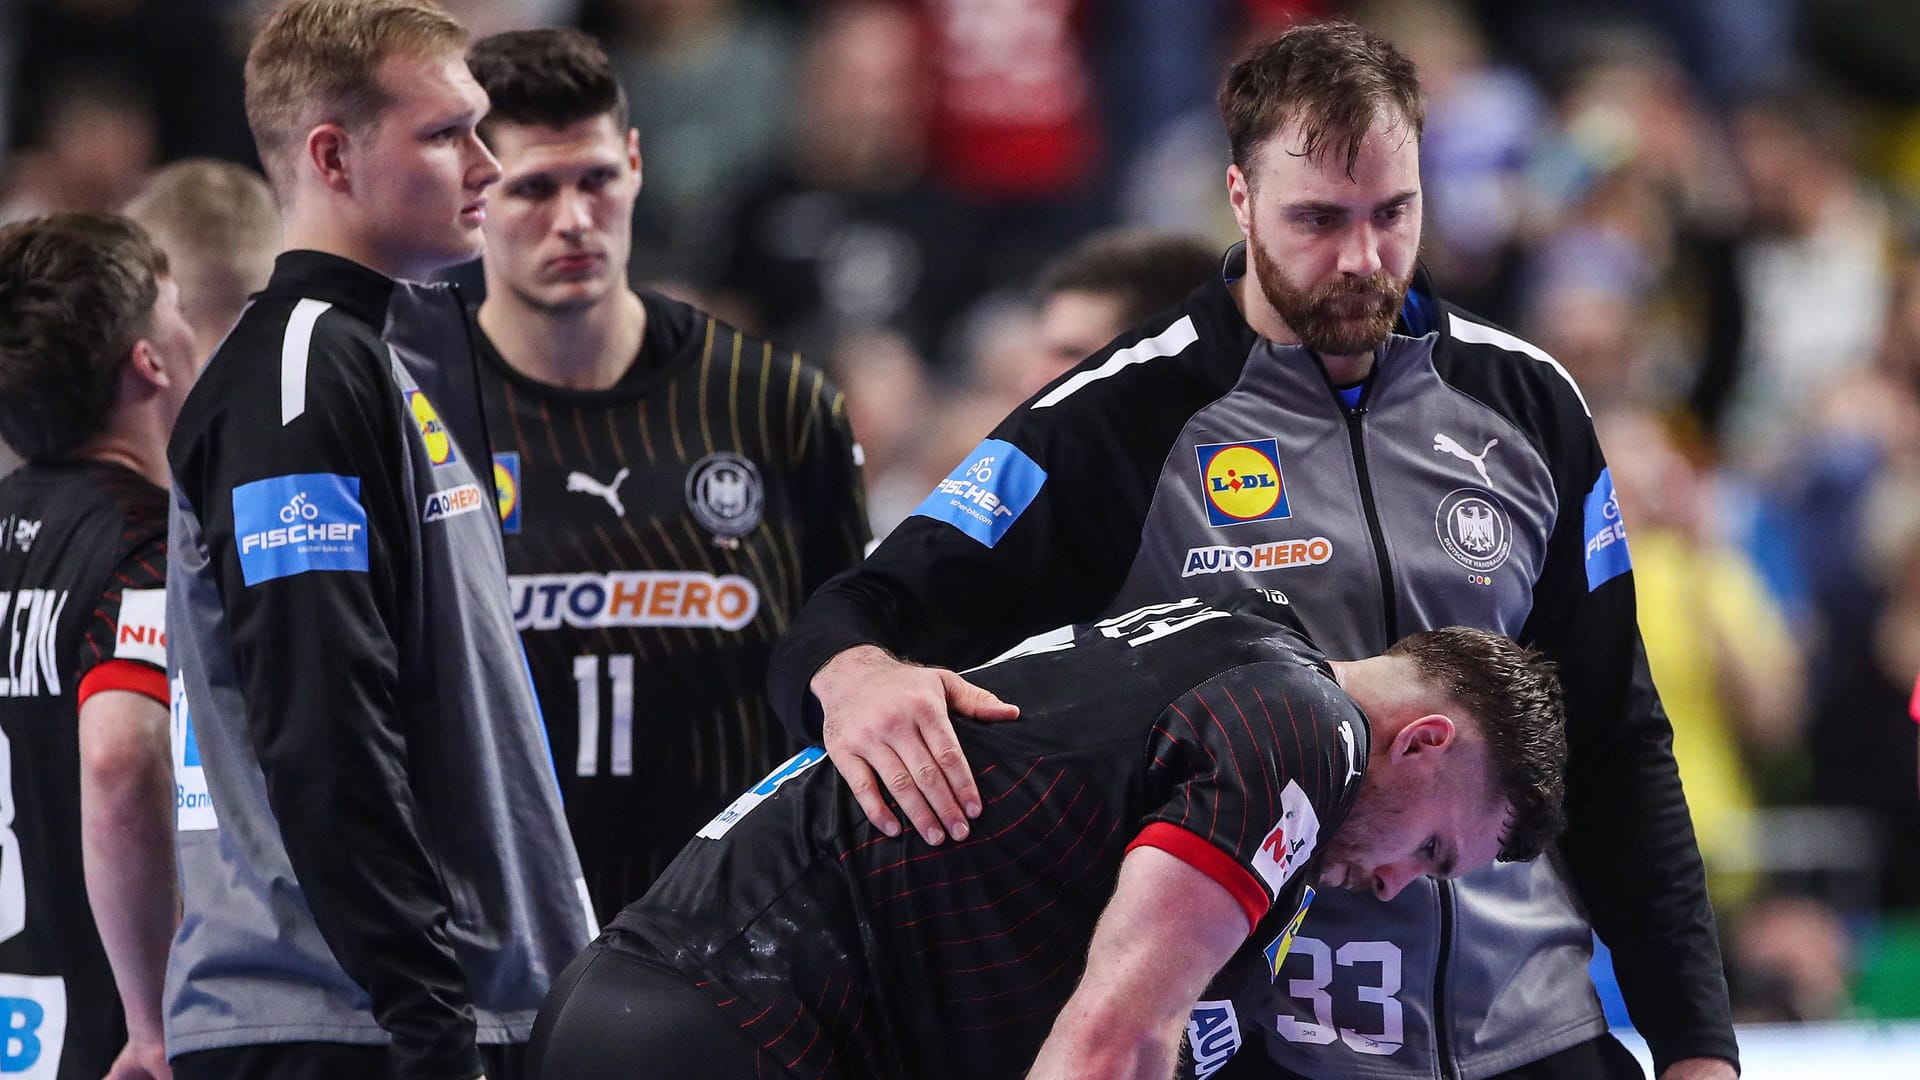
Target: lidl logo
pixel 506 489
pixel 1279 947
pixel 432 429
pixel 1242 482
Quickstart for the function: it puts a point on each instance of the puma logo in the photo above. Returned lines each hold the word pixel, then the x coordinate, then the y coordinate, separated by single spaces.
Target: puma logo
pixel 610 491
pixel 1445 444
pixel 1346 736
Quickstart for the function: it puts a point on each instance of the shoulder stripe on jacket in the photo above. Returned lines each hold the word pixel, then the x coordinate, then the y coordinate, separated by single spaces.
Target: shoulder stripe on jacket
pixel 293 358
pixel 1482 334
pixel 1172 341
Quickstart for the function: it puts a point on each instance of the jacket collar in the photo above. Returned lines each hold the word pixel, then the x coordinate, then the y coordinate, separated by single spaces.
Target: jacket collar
pixel 316 275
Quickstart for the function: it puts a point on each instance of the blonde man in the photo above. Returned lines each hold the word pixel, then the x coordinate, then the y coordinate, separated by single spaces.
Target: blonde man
pixel 377 875
pixel 220 229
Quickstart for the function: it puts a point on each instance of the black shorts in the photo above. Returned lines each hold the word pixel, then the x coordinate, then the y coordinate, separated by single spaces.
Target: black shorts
pixel 612 1009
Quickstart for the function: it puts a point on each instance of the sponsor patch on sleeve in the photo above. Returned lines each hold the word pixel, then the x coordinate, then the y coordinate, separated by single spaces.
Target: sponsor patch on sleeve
pixel 142 633
pixel 987 493
pixel 1213 1035
pixel 289 525
pixel 1606 534
pixel 724 821
pixel 1291 841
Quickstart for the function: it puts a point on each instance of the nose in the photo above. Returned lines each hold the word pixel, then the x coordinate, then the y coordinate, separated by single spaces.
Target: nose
pixel 1360 253
pixel 1389 880
pixel 482 167
pixel 576 212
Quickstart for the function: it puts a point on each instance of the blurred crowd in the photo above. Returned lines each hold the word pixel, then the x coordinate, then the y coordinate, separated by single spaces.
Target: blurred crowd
pixel 1705 209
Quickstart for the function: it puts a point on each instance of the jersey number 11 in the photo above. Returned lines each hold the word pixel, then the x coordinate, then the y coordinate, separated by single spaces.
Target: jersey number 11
pixel 586 677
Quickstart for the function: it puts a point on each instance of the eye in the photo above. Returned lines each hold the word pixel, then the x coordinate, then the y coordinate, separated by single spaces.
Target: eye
pixel 1320 220
pixel 597 180
pixel 1394 212
pixel 536 189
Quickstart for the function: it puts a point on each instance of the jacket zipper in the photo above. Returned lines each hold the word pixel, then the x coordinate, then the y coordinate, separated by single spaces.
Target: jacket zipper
pixel 1442 1046
pixel 1354 416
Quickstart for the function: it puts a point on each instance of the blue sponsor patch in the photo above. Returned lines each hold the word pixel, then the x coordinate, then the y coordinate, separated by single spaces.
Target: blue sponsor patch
pixel 987 493
pixel 506 489
pixel 289 525
pixel 1606 534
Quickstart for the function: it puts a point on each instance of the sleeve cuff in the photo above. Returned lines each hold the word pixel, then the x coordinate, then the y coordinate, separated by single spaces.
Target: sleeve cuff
pixel 1223 868
pixel 130 675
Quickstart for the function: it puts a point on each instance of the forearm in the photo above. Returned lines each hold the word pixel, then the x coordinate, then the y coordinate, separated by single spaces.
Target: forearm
pixel 1091 1042
pixel 126 831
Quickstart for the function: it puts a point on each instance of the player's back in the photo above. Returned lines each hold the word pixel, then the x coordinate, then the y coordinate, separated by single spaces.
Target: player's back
pixel 70 600
pixel 851 954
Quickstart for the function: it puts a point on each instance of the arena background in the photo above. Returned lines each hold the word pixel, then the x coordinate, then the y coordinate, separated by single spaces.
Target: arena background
pixel 1704 208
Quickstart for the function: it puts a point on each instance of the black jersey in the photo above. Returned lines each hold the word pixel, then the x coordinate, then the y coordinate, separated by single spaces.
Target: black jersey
pixel 660 536
pixel 1218 736
pixel 82 609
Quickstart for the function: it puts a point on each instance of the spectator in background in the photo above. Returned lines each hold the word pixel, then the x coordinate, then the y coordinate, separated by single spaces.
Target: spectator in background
pixel 95 361
pixel 845 234
pixel 96 140
pixel 1814 275
pixel 708 82
pixel 220 229
pixel 1719 647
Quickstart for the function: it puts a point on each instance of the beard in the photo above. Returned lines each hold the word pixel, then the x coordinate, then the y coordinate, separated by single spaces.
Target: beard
pixel 1347 317
pixel 1361 839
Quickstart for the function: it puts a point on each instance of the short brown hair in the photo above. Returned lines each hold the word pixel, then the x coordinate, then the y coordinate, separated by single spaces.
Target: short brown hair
pixel 1147 270
pixel 546 78
pixel 1514 697
pixel 76 292
pixel 314 63
pixel 218 223
pixel 1334 78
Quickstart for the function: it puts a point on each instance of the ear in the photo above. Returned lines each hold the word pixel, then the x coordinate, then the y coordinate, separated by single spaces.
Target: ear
pixel 1429 734
pixel 633 154
pixel 328 149
pixel 1240 196
pixel 144 361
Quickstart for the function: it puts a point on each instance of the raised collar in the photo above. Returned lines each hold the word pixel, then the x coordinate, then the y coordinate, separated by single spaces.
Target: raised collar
pixel 316 275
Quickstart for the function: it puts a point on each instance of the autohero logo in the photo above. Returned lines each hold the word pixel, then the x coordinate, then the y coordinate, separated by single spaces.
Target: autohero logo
pixel 1242 482
pixel 1607 556
pixel 987 493
pixel 1213 1035
pixel 293 524
pixel 453 502
pixel 633 598
pixel 433 430
pixel 1278 555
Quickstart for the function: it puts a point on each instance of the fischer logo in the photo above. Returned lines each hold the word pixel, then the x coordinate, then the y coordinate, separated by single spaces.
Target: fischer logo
pixel 1278 555
pixel 633 598
pixel 299 516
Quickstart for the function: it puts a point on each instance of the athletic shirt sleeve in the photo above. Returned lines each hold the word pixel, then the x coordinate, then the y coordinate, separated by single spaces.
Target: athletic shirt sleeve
pixel 124 643
pixel 1256 772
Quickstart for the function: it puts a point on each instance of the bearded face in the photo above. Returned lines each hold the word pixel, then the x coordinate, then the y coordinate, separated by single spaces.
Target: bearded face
pixel 1346 316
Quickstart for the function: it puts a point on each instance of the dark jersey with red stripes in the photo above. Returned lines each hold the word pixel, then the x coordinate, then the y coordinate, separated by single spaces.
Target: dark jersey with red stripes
pixel 82 609
pixel 660 535
pixel 1215 734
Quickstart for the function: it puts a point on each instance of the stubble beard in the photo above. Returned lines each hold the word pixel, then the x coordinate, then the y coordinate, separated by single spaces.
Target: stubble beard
pixel 1311 313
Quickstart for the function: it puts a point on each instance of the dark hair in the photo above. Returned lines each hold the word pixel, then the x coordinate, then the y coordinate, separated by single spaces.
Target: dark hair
pixel 1149 271
pixel 1514 697
pixel 1334 78
pixel 548 78
pixel 76 291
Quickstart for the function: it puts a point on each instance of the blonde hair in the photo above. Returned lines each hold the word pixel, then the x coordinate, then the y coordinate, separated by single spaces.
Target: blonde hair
pixel 314 61
pixel 218 225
